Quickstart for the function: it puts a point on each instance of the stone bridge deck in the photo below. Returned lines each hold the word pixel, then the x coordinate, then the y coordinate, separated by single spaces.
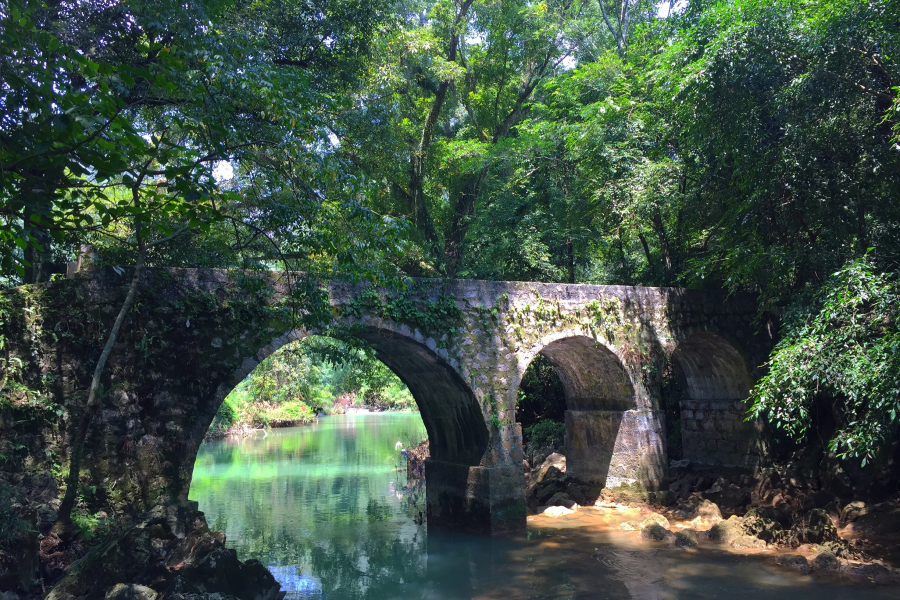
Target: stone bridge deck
pixel 460 346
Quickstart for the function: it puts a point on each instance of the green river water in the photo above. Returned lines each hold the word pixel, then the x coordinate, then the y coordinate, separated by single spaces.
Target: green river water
pixel 327 509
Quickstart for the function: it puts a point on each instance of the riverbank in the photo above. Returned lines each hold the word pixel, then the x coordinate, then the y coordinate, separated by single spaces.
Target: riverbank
pixel 820 535
pixel 243 428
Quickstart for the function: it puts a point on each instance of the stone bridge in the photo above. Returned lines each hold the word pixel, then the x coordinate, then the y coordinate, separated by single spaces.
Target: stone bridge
pixel 460 346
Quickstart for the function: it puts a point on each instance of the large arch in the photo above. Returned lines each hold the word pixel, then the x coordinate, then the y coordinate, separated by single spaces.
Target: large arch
pixel 458 435
pixel 715 382
pixel 612 435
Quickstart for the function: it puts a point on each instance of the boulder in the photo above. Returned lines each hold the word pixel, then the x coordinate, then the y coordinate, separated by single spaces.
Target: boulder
pixel 656 532
pixel 826 561
pixel 708 511
pixel 818 527
pixel 171 553
pixel 553 467
pixel 853 511
pixel 628 526
pixel 655 519
pixel 686 538
pixel 727 494
pixel 731 532
pixel 561 499
pixel 767 524
pixel 130 591
pixel 879 521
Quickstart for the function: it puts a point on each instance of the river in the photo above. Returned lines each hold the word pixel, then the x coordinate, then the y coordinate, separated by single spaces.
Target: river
pixel 327 509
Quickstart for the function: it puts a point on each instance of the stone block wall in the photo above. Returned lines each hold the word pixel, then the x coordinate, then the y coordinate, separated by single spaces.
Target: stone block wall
pixel 714 432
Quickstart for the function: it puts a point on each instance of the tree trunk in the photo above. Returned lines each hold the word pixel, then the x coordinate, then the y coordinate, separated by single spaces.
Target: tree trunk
pixel 456 232
pixel 64 519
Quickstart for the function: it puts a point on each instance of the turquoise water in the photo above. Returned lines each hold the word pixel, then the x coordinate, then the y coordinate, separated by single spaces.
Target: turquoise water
pixel 327 509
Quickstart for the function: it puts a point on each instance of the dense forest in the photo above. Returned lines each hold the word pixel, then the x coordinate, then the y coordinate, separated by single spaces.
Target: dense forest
pixel 749 146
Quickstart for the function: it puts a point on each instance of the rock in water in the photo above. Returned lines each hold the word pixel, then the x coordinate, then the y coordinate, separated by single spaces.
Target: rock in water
pixel 558 511
pixel 657 519
pixel 561 499
pixel 686 538
pixel 795 561
pixel 655 532
pixel 826 561
pixel 131 591
pixel 708 511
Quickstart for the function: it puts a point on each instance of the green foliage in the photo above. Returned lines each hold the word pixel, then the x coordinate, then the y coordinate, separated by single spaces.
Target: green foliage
pixel 843 343
pixel 541 394
pixel 543 435
pixel 305 378
pixel 433 317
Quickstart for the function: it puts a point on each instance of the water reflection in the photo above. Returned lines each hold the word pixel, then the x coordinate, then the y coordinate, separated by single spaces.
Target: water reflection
pixel 326 507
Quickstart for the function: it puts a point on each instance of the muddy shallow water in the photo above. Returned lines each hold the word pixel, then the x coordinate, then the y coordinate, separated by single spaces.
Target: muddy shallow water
pixel 327 509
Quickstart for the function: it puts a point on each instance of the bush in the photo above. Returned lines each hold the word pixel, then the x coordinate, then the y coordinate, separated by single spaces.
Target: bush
pixel 841 344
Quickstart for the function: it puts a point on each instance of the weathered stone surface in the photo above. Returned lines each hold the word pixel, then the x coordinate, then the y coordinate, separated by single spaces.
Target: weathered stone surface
pixel 199 332
pixel 686 538
pixel 131 591
pixel 826 561
pixel 656 532
pixel 655 519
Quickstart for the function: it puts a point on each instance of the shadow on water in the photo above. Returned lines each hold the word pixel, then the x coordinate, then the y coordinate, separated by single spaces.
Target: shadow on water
pixel 328 510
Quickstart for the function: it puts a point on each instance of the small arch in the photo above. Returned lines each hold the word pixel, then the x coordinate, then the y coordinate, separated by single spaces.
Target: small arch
pixel 714 381
pixel 711 368
pixel 592 375
pixel 610 438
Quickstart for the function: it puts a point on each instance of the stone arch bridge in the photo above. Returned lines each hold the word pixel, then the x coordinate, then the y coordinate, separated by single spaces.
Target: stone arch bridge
pixel 460 346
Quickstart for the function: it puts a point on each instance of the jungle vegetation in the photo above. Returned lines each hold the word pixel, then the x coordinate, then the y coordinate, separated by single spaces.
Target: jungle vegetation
pixel 741 145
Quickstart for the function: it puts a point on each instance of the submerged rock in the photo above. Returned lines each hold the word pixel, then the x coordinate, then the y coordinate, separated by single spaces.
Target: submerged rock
pixel 875 573
pixel 796 562
pixel 629 526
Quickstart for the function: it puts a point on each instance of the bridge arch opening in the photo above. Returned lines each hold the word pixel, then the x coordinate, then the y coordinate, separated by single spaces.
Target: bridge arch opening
pixel 601 435
pixel 456 430
pixel 711 382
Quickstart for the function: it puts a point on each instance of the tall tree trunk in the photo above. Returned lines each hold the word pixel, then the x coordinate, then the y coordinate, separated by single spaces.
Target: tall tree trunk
pixel 416 193
pixel 646 249
pixel 570 259
pixel 663 244
pixel 456 232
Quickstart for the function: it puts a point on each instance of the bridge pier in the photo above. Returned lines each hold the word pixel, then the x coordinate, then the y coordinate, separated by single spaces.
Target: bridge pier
pixel 612 447
pixel 487 500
